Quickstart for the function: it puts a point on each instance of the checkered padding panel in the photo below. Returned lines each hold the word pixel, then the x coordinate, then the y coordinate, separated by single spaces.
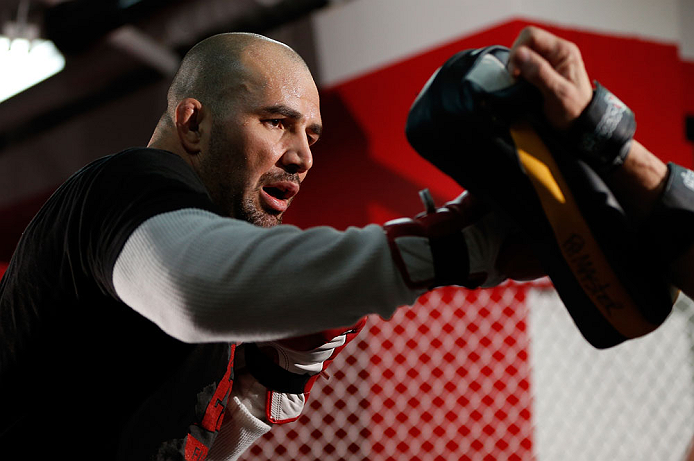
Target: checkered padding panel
pixel 445 379
pixel 500 374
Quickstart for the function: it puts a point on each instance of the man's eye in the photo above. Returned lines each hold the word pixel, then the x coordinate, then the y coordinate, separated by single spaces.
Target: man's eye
pixel 276 122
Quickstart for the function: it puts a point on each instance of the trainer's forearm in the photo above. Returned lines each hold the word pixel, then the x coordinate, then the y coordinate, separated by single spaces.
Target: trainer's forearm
pixel 638 183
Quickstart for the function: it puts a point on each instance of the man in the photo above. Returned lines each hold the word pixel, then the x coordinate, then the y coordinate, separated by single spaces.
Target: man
pixel 134 290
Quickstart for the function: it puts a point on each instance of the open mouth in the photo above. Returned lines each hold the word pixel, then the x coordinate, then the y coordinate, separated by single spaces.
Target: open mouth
pixel 276 192
pixel 278 195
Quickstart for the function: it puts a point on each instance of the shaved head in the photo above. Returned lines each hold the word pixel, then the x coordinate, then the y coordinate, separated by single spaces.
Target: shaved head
pixel 218 69
pixel 243 111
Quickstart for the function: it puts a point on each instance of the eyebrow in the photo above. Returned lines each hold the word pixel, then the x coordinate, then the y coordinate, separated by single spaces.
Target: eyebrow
pixel 286 111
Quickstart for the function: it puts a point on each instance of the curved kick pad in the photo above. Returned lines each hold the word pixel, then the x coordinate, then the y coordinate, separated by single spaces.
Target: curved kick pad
pixel 486 131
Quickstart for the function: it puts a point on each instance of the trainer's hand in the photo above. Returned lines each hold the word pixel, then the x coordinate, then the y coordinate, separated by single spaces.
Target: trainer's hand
pixel 556 68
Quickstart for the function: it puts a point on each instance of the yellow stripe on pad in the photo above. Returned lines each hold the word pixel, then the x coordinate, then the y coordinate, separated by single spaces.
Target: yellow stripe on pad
pixel 580 249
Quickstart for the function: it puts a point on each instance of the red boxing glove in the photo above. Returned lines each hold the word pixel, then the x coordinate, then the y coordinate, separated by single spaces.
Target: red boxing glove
pixel 456 244
pixel 288 368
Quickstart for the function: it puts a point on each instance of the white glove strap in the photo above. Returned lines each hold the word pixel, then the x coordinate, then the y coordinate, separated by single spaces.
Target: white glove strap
pixel 416 254
pixel 302 362
pixel 281 407
pixel 284 408
pixel 484 240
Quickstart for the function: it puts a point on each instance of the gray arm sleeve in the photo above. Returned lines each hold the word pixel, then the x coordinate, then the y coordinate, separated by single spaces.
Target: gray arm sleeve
pixel 204 278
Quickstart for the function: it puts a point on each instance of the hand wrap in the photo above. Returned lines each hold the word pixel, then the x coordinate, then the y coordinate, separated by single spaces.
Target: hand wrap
pixel 602 134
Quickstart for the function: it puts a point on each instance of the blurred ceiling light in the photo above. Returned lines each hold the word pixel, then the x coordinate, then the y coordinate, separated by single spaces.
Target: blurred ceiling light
pixel 24 63
pixel 25 59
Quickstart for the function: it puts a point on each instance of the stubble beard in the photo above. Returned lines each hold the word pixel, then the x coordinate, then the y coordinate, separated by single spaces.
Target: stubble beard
pixel 224 175
pixel 238 201
pixel 249 212
pixel 231 191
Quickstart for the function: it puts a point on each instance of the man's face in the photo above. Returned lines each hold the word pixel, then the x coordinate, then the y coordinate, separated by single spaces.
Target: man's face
pixel 259 150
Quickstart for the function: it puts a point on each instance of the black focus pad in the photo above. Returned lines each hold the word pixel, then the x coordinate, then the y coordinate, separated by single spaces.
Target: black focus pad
pixel 486 131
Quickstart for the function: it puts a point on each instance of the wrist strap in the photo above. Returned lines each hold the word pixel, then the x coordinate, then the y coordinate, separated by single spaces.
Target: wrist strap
pixel 602 134
pixel 271 375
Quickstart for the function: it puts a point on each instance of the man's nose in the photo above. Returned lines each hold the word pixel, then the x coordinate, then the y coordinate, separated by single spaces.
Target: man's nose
pixel 298 158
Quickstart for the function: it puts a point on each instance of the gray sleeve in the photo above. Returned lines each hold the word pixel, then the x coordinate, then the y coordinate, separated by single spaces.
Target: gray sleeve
pixel 204 278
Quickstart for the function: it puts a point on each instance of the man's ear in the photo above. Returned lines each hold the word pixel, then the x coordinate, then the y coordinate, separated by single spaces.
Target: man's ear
pixel 192 122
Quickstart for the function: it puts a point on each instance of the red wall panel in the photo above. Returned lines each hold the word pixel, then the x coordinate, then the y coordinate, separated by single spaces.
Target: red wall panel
pixel 364 157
